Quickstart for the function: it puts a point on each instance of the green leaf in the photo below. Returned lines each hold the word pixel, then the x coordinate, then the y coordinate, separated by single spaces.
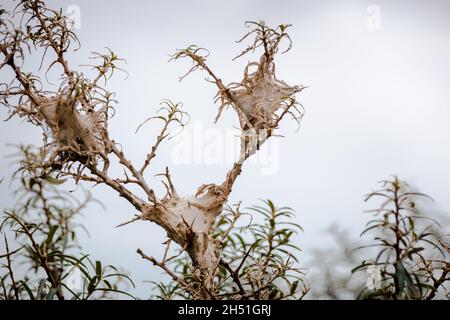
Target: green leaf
pixel 51 294
pixel 41 289
pixel 117 291
pixel 122 275
pixel 92 284
pixel 363 265
pixel 414 250
pixel 75 296
pixel 108 284
pixel 272 223
pixel 402 276
pixel 273 294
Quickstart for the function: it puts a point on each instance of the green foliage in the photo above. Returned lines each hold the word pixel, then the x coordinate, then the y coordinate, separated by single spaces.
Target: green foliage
pixel 258 258
pixel 412 255
pixel 330 266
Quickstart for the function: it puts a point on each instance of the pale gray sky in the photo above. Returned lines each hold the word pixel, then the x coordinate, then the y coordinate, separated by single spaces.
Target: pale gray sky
pixel 377 104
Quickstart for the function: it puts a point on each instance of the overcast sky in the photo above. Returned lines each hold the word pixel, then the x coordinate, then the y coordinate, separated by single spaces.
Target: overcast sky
pixel 377 104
